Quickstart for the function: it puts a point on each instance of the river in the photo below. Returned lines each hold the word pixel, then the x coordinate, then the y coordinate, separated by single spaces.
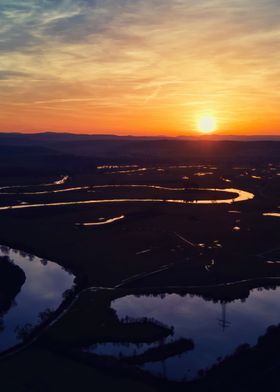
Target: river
pixel 43 289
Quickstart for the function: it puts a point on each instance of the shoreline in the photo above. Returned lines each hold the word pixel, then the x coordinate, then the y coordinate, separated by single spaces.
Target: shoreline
pixel 120 290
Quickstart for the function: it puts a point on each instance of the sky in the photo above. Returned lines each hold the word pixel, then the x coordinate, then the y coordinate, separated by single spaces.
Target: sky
pixel 143 67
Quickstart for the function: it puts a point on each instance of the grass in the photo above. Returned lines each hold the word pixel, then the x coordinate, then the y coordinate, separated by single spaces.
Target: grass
pixel 40 370
pixel 92 320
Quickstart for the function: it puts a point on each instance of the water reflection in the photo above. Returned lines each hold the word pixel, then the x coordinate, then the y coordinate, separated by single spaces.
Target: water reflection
pixel 203 174
pixel 102 222
pixel 61 181
pixel 241 196
pixel 274 214
pixel 43 290
pixel 217 329
pixel 73 189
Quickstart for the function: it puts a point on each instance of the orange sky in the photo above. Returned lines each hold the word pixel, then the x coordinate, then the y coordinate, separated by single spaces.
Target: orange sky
pixel 140 67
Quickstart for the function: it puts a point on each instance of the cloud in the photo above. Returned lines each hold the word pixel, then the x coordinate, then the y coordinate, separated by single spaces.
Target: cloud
pixel 146 55
pixel 6 75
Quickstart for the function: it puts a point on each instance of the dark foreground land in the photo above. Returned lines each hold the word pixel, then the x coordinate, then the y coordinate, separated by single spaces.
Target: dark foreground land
pixel 11 280
pixel 217 251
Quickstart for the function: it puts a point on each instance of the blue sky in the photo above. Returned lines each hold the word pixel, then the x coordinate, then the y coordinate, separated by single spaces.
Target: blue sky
pixel 107 65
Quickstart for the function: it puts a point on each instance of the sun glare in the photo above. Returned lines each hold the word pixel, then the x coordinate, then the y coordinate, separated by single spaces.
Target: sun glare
pixel 207 124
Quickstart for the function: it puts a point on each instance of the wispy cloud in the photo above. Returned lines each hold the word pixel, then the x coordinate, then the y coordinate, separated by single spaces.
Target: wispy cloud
pixel 124 60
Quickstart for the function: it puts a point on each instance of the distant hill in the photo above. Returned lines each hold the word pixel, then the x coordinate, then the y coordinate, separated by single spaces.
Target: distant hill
pixel 68 136
pixel 233 138
pixel 49 153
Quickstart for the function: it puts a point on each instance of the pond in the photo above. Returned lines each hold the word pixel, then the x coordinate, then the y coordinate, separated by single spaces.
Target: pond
pixel 43 289
pixel 216 329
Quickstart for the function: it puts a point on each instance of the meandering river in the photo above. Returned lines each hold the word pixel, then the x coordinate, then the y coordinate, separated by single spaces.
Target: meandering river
pixel 43 289
pixel 192 317
pixel 241 195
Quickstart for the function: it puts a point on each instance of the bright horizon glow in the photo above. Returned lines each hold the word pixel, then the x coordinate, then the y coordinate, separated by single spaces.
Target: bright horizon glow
pixel 139 67
pixel 207 124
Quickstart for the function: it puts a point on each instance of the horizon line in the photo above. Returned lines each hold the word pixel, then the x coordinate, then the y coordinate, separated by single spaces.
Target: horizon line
pixel 132 135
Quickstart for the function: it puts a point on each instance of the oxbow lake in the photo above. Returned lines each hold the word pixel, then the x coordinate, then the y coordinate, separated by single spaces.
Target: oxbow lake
pixel 216 329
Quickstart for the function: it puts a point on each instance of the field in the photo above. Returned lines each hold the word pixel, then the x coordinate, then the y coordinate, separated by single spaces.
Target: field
pixel 134 228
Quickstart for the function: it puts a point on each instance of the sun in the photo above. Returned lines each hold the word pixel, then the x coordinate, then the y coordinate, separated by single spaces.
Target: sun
pixel 207 124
